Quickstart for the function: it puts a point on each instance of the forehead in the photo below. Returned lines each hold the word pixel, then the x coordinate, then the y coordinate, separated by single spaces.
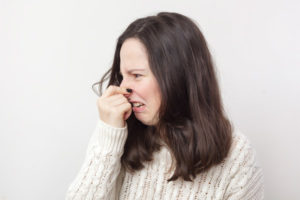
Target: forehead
pixel 132 47
pixel 133 54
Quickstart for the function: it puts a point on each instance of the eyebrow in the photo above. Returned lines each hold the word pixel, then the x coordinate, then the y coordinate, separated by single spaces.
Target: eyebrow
pixel 130 71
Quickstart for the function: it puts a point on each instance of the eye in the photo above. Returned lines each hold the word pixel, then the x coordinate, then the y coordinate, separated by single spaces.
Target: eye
pixel 137 75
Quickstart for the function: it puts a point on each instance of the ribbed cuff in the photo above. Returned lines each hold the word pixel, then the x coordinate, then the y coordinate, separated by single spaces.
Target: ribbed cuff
pixel 111 139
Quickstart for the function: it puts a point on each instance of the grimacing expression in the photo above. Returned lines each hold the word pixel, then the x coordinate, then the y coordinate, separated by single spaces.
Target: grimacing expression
pixel 137 75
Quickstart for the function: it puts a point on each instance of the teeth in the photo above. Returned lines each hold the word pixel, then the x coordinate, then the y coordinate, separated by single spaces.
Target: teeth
pixel 137 104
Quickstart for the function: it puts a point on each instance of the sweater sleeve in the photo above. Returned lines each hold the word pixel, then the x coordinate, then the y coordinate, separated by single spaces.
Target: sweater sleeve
pixel 246 177
pixel 100 176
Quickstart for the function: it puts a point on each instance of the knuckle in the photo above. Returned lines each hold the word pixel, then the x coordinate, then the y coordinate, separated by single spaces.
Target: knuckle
pixel 100 100
pixel 110 88
pixel 113 87
pixel 121 96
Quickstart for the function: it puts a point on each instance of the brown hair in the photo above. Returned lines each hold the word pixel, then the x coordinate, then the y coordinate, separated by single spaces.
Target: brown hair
pixel 192 121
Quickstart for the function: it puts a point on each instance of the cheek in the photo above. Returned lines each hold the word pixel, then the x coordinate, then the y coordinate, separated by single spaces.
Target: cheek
pixel 153 93
pixel 144 90
pixel 147 91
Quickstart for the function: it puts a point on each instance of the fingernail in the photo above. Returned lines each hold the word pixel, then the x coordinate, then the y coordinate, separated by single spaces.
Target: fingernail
pixel 129 90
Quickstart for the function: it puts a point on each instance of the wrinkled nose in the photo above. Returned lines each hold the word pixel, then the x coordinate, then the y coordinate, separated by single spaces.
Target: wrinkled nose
pixel 126 84
pixel 122 84
pixel 127 95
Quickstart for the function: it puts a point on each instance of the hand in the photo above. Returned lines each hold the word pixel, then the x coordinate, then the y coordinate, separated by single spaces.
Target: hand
pixel 113 106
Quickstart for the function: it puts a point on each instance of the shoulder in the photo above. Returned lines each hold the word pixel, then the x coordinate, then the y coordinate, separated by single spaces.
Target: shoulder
pixel 242 153
pixel 241 148
pixel 245 175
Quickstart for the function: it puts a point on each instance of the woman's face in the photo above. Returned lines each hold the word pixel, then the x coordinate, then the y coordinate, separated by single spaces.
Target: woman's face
pixel 136 73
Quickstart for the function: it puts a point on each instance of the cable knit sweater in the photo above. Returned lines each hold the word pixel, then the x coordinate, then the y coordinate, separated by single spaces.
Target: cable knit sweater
pixel 102 176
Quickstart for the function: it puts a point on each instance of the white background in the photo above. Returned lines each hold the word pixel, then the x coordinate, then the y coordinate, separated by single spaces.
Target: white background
pixel 51 52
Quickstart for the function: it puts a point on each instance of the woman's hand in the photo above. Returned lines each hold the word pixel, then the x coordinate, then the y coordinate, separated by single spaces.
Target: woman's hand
pixel 113 106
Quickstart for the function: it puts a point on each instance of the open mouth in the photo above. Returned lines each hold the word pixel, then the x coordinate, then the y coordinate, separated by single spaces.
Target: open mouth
pixel 137 104
pixel 138 107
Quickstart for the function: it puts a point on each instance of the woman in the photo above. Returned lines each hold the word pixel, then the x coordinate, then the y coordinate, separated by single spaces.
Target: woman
pixel 162 131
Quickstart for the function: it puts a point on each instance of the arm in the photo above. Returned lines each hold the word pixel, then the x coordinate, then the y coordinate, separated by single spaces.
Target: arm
pixel 246 177
pixel 99 176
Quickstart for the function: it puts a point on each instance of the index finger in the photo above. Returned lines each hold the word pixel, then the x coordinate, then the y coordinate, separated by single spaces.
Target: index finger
pixel 113 89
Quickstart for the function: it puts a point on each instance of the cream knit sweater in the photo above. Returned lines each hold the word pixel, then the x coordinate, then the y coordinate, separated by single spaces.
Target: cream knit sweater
pixel 102 177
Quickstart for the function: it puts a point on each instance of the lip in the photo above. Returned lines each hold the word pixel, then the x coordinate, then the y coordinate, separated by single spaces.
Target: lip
pixel 135 101
pixel 139 109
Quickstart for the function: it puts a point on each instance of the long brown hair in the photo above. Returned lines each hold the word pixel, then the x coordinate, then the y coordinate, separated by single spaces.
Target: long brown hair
pixel 192 121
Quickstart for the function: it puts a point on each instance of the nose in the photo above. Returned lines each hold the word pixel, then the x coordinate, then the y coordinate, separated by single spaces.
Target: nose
pixel 126 84
pixel 127 95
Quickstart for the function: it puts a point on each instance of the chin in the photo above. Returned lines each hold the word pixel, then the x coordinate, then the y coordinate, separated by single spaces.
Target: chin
pixel 146 122
pixel 149 123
